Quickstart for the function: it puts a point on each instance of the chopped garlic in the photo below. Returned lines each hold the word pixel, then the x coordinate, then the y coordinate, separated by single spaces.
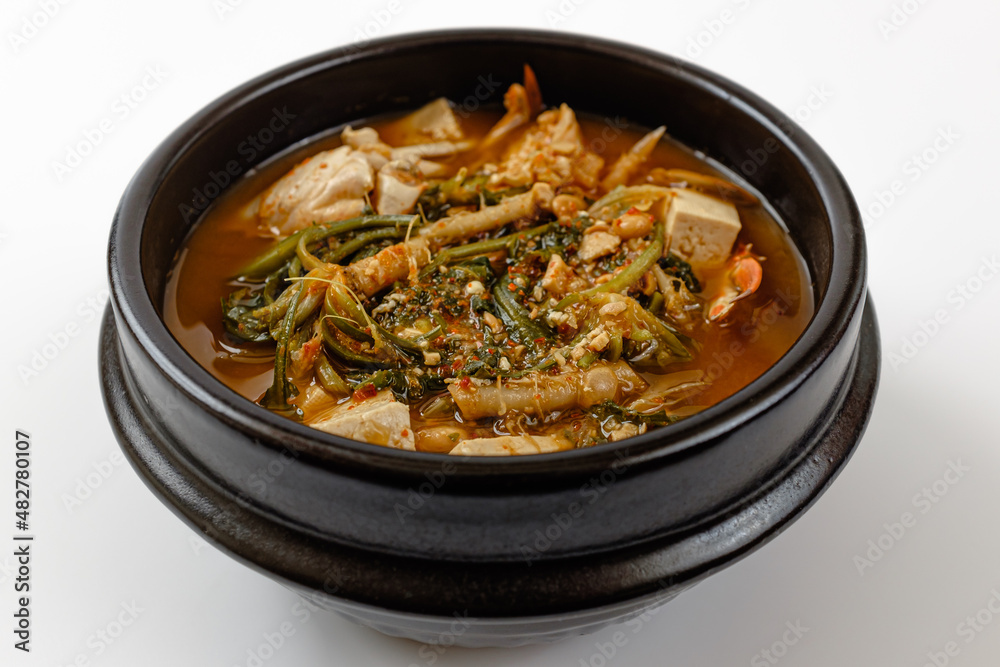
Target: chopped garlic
pixel 556 318
pixel 599 342
pixel 612 308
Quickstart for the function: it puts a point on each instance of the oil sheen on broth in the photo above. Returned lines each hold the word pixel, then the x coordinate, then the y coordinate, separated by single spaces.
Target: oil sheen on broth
pixel 515 373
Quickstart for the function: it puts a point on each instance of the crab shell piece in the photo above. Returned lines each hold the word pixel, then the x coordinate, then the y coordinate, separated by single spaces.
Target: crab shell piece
pixel 743 277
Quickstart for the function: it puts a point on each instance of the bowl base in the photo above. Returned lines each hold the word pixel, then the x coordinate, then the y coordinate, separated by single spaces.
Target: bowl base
pixel 674 564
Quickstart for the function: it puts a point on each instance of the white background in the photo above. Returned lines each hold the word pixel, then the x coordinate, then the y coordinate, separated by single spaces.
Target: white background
pixel 879 98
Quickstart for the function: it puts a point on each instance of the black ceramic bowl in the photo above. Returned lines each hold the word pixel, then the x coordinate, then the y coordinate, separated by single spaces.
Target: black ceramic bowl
pixel 488 551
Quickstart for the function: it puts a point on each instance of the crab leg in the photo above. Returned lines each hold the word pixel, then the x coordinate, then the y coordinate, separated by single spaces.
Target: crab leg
pixel 522 103
pixel 464 225
pixel 626 165
pixel 373 274
pixel 539 394
pixel 743 277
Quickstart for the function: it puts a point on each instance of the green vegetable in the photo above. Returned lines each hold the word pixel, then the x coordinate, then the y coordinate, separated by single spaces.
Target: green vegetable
pixel 481 248
pixel 655 303
pixel 645 341
pixel 520 326
pixel 609 410
pixel 406 385
pixel 339 303
pixel 628 276
pixel 677 267
pixel 348 355
pixel 239 320
pixel 277 256
pixel 462 190
pixel 329 379
pixel 348 248
pixel 621 198
pixel 277 395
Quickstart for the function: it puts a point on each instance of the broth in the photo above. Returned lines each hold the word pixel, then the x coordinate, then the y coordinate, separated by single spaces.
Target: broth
pixel 732 353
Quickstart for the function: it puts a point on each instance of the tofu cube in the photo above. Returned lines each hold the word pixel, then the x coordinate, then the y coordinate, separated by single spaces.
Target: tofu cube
pixel 379 420
pixel 701 229
pixel 509 445
pixel 395 193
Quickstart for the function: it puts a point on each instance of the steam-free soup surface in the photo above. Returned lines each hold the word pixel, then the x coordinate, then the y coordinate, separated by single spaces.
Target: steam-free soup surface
pixel 488 317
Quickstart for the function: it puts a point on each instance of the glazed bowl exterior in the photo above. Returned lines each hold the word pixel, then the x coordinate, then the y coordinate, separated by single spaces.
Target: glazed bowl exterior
pixel 506 550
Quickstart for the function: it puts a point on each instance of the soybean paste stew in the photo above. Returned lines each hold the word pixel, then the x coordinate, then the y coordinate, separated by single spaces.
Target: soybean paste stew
pixel 483 285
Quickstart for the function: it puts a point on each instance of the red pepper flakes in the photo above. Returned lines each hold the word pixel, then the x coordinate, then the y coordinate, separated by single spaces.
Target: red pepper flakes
pixel 365 392
pixel 405 433
pixel 465 382
pixel 512 287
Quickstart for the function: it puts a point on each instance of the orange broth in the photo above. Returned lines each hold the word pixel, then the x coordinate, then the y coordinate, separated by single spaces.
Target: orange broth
pixel 732 354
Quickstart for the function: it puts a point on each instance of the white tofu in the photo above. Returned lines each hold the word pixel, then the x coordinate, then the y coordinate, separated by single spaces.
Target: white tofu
pixel 701 229
pixel 330 185
pixel 397 191
pixel 508 445
pixel 379 420
pixel 435 120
